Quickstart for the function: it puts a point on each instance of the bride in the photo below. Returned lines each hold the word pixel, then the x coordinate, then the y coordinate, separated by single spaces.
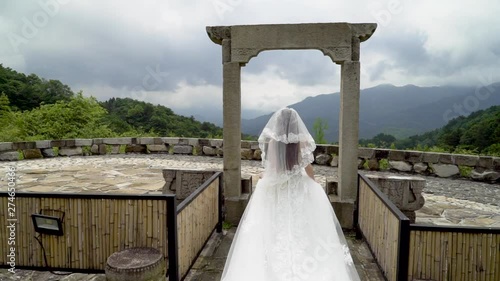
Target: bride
pixel 289 230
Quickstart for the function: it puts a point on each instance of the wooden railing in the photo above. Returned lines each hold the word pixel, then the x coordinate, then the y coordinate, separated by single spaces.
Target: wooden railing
pixel 416 252
pixel 454 253
pixel 97 225
pixel 94 226
pixel 197 217
pixel 381 223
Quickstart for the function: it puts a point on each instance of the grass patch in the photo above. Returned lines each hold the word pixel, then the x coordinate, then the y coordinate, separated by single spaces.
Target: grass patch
pixel 86 150
pixel 122 149
pixel 226 225
pixel 465 171
pixel 20 155
pixel 383 164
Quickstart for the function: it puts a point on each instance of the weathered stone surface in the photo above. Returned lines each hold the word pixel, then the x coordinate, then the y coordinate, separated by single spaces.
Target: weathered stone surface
pixel 5 146
pixel 373 164
pixel 157 148
pixel 57 143
pixel 496 163
pixel 445 158
pixel 135 148
pixel 139 264
pixel 193 141
pixel 323 159
pixel 99 149
pixel 445 170
pixel 400 166
pixel 490 176
pixel 485 162
pixel 332 150
pixel 332 186
pixel 9 156
pixel 404 192
pixel 216 142
pixel 246 184
pixel 83 142
pixel 429 157
pixel 220 151
pixel 146 140
pixel 204 142
pixel 361 163
pixel 396 155
pixel 43 144
pixel 466 160
pixel 366 153
pixel 381 153
pixel 170 141
pixel 23 145
pixel 69 142
pixel 245 144
pixel 207 150
pixel 335 161
pixel 48 152
pixel 118 141
pixel 413 156
pixel 344 210
pixel 70 151
pixel 254 145
pixel 246 154
pixel 321 149
pixel 257 154
pixel 34 153
pixel 420 167
pixel 184 182
pixel 183 149
pixel 115 149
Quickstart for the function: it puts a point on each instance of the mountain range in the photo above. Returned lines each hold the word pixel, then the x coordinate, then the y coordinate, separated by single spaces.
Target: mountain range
pixel 400 111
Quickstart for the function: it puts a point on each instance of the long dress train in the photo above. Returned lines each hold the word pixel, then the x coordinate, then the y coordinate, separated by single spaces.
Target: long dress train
pixel 289 231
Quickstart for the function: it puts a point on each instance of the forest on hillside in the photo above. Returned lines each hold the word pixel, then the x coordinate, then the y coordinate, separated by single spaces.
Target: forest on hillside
pixel 33 108
pixel 478 133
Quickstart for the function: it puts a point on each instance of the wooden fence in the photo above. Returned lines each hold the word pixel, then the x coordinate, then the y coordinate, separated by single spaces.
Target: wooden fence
pixel 381 224
pixel 454 253
pixel 97 225
pixel 94 227
pixel 416 252
pixel 197 218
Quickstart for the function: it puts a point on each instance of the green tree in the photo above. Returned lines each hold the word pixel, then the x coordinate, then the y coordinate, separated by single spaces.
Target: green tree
pixel 319 127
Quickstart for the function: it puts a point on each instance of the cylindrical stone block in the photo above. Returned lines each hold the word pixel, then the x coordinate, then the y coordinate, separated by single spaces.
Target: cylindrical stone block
pixel 136 264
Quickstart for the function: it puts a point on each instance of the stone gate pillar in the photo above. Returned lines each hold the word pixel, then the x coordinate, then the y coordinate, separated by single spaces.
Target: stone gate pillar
pixel 231 96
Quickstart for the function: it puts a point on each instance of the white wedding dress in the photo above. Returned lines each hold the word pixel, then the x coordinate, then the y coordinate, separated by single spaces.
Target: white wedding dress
pixel 289 230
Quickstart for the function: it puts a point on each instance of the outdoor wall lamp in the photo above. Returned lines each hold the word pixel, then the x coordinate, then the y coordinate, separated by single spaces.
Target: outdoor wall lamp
pixel 47 224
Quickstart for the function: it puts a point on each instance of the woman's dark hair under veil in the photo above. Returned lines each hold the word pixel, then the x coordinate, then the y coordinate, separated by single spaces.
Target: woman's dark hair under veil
pixel 286 144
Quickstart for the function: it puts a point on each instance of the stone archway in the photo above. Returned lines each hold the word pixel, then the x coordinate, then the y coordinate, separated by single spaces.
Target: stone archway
pixel 340 42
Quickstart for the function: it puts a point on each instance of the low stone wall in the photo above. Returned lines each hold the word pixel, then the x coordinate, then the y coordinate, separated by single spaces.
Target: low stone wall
pixel 481 168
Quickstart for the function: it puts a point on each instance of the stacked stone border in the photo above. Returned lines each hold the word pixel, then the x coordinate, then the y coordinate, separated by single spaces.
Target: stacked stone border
pixel 480 168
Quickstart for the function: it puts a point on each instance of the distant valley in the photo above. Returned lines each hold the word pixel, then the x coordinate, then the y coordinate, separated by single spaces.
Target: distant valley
pixel 399 111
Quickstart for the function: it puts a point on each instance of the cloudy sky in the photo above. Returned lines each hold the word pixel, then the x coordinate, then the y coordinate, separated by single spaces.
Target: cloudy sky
pixel 158 50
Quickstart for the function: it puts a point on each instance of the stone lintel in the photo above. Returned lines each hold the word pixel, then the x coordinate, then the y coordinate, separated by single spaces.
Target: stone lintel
pixel 333 39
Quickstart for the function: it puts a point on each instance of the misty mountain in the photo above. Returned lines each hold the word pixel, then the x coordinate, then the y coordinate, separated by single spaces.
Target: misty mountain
pixel 399 111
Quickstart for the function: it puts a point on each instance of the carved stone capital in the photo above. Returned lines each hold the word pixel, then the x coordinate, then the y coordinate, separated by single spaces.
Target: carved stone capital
pixel 337 54
pixel 363 31
pixel 218 33
pixel 243 55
